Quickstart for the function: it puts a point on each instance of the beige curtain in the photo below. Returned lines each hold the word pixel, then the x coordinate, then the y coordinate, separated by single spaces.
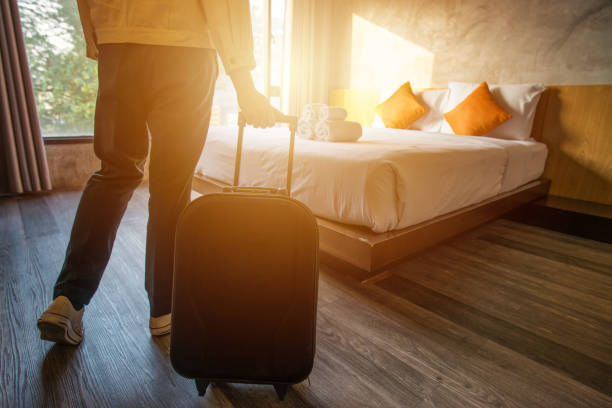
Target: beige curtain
pixel 23 163
pixel 307 54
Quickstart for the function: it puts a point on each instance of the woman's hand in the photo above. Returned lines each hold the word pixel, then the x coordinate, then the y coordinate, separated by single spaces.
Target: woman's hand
pixel 255 107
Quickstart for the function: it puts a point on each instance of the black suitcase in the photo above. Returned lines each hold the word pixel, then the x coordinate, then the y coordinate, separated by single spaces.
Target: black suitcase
pixel 245 285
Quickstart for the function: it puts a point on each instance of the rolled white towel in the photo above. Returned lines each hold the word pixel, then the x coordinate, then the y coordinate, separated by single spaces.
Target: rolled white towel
pixel 337 131
pixel 311 111
pixel 306 128
pixel 332 113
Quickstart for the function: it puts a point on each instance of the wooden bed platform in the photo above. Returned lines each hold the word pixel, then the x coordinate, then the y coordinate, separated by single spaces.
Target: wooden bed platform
pixel 372 253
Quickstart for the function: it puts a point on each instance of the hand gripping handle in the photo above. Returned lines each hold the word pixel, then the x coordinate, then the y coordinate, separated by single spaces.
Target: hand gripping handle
pixel 292 121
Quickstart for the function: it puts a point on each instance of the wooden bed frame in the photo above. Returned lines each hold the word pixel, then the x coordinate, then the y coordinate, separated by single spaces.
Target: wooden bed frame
pixel 372 253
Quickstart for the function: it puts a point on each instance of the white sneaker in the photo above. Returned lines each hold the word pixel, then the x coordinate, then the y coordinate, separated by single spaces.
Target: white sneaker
pixel 161 325
pixel 61 323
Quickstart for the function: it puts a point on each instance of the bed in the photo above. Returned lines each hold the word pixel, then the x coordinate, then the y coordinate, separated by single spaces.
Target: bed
pixel 390 194
pixel 385 180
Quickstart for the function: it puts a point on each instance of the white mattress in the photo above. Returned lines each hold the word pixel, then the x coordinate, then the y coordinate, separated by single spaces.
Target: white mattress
pixel 389 179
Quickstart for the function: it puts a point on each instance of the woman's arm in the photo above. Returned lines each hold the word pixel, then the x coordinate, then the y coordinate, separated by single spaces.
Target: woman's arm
pixel 88 30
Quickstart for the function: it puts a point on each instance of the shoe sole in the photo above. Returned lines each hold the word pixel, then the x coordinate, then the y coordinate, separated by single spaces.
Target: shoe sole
pixel 58 329
pixel 160 331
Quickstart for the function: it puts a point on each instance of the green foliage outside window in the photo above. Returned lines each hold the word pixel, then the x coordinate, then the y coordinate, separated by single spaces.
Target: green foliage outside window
pixel 64 80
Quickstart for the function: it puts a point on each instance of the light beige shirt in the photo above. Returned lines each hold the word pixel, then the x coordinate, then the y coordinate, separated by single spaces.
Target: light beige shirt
pixel 224 25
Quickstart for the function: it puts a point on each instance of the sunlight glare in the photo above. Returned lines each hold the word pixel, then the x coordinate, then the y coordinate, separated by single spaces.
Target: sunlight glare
pixel 383 60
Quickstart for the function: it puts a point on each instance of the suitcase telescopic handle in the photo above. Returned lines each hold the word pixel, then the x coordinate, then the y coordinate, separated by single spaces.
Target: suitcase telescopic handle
pixel 292 121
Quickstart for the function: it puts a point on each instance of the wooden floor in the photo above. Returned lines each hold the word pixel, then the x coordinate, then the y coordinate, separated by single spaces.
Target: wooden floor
pixel 507 315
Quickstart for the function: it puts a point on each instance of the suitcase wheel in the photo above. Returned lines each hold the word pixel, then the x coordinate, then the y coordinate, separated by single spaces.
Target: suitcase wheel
pixel 281 390
pixel 201 385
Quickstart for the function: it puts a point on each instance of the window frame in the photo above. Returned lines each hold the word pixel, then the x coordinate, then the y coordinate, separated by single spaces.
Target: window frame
pixel 271 91
pixel 52 140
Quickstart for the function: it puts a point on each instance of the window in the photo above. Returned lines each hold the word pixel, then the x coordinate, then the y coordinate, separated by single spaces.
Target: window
pixel 268 17
pixel 65 82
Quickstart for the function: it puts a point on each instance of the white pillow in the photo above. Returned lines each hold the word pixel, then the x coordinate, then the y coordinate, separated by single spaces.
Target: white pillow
pixel 519 100
pixel 433 100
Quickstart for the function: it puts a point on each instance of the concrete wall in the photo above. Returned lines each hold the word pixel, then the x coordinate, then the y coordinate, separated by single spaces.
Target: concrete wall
pixel 71 164
pixel 510 41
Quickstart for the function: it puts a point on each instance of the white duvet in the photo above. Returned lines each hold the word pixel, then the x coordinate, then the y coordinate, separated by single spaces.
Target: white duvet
pixel 389 179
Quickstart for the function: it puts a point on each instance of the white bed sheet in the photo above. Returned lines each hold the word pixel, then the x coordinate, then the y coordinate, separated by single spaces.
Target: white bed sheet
pixel 526 160
pixel 389 179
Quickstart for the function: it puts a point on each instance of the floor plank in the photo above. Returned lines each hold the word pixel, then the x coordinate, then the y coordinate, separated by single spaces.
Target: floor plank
pixel 576 365
pixel 550 253
pixel 554 271
pixel 583 248
pixel 515 305
pixel 466 363
pixel 36 216
pixel 11 226
pixel 496 273
pixel 482 321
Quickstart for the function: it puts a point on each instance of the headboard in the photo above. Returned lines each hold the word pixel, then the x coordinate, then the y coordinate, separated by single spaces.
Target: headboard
pixel 574 121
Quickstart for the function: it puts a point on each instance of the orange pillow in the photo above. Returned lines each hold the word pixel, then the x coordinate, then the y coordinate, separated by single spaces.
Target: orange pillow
pixel 401 109
pixel 477 114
